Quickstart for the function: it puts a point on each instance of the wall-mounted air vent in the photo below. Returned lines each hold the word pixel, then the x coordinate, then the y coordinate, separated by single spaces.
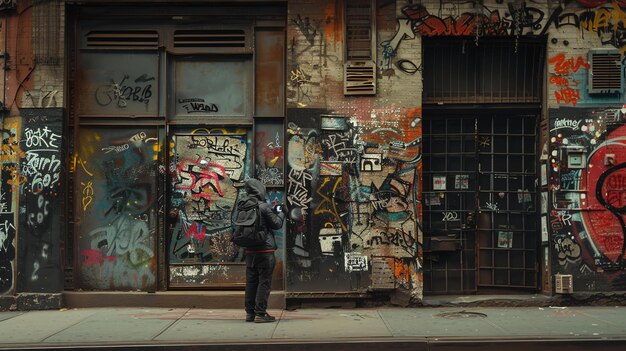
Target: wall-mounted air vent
pixel 605 73
pixel 563 283
pixel 211 38
pixel 128 39
pixel 359 78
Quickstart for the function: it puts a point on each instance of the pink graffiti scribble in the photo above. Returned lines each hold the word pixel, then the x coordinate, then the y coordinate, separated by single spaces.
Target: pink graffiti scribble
pixel 198 174
pixel 93 256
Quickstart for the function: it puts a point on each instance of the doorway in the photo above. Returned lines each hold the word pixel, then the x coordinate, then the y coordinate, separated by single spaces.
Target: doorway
pixel 480 219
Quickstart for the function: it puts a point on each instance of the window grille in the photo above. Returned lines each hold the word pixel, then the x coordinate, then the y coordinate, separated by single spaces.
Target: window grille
pixel 359 68
pixel 495 71
pixel 46 32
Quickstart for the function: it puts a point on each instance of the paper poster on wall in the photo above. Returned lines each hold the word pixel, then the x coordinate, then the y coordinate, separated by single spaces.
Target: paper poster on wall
pixel 544 202
pixel 544 174
pixel 544 228
pixel 505 240
pixel 439 182
pixel 461 181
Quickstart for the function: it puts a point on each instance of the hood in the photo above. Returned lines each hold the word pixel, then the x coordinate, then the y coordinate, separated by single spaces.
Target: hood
pixel 256 189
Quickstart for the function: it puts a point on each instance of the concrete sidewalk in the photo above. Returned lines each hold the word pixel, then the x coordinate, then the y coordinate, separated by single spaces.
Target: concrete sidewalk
pixel 180 326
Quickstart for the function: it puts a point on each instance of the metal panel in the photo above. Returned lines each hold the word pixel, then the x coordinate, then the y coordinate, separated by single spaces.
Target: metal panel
pixel 269 72
pixel 116 210
pixel 118 84
pixel 41 221
pixel 217 88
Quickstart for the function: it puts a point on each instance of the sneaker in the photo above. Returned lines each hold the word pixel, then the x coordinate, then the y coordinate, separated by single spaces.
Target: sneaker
pixel 250 317
pixel 264 318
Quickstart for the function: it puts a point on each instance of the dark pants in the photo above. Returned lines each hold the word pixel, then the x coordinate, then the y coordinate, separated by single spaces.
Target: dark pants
pixel 259 268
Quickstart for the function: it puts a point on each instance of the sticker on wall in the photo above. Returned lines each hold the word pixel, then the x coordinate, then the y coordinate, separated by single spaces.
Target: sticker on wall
pixel 461 181
pixel 329 238
pixel 439 182
pixel 505 240
pixel 372 162
pixel 355 262
pixel 331 168
pixel 544 228
pixel 330 122
pixel 544 174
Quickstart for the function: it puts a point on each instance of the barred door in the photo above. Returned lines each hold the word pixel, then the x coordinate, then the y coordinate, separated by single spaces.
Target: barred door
pixel 480 221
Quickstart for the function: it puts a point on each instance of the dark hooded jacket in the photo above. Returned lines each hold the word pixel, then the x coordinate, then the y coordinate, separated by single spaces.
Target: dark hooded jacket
pixel 269 219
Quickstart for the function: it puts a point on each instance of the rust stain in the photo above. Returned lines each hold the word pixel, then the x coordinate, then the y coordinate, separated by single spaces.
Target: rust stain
pixel 22 64
pixel 333 14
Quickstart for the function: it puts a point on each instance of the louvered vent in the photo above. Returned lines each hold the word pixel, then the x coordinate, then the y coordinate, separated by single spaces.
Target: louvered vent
pixel 359 78
pixel 563 283
pixel 131 39
pixel 605 74
pixel 227 38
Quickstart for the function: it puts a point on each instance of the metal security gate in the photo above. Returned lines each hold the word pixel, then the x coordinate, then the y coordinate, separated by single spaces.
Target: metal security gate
pixel 480 221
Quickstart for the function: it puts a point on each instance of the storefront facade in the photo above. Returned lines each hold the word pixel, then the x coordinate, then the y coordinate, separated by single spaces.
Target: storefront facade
pixel 421 149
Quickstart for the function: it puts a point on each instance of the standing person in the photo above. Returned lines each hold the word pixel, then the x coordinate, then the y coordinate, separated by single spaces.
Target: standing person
pixel 260 260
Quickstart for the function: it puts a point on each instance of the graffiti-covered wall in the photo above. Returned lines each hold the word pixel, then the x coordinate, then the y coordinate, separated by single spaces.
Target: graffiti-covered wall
pixel 31 206
pixel 345 184
pixel 353 163
pixel 116 217
pixel 587 183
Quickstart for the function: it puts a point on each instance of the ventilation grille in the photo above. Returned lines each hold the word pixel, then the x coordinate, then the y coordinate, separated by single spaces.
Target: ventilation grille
pixel 605 75
pixel 359 78
pixel 564 283
pixel 230 38
pixel 136 39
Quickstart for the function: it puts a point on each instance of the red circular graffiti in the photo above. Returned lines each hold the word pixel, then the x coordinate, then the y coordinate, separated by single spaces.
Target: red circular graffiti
pixel 606 200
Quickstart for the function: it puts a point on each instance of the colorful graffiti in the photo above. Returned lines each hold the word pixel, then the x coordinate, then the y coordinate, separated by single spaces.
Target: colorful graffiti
pixel 206 167
pixel 565 77
pixel 9 157
pixel 588 182
pixel 117 170
pixel 352 196
pixel 269 161
pixel 604 20
pixel 40 201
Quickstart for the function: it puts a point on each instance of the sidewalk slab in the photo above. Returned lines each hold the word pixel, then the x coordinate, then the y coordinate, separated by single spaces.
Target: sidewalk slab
pixel 35 326
pixel 549 322
pixel 217 326
pixel 119 325
pixel 431 322
pixel 331 323
pixel 613 315
pixel 8 315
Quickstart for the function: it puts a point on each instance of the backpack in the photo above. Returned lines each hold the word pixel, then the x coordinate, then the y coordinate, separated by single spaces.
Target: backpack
pixel 248 229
